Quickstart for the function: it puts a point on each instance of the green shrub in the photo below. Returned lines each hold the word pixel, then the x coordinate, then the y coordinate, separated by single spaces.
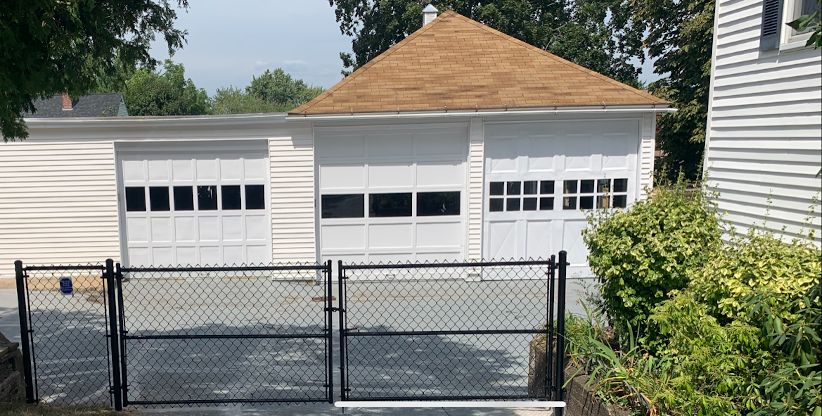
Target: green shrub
pixel 643 253
pixel 749 264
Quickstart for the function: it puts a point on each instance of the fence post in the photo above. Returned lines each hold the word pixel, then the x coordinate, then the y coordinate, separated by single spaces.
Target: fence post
pixel 114 332
pixel 24 329
pixel 329 307
pixel 560 370
pixel 549 327
pixel 341 303
pixel 118 276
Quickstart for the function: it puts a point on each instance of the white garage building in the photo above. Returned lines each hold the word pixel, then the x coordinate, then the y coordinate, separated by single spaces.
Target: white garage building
pixel 459 142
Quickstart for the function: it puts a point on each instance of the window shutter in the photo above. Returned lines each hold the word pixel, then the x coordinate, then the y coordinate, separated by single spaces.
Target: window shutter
pixel 771 27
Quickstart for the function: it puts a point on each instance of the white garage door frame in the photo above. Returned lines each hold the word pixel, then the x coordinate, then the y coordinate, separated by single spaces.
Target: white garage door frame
pixel 199 150
pixel 555 140
pixel 380 153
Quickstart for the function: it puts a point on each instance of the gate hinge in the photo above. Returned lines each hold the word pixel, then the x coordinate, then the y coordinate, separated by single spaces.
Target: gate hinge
pixel 332 309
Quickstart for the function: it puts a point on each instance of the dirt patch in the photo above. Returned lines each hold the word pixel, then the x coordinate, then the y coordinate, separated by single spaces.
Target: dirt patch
pixel 8 284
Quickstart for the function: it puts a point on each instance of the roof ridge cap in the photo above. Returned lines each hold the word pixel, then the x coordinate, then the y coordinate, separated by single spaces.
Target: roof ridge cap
pixel 361 70
pixel 559 60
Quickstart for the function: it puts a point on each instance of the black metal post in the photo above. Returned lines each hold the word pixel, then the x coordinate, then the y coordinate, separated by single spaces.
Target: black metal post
pixel 24 330
pixel 329 307
pixel 560 369
pixel 341 300
pixel 123 332
pixel 549 333
pixel 115 339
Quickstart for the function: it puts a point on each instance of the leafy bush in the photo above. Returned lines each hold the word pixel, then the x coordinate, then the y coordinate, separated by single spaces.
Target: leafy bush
pixel 759 262
pixel 643 253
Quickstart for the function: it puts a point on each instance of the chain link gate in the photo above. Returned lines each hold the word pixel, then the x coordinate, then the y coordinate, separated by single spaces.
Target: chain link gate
pixel 209 335
pixel 450 331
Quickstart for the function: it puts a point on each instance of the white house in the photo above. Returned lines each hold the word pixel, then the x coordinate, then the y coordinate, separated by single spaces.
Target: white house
pixel 764 136
pixel 460 142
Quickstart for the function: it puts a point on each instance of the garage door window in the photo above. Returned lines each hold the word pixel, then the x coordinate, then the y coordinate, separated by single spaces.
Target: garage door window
pixel 255 197
pixel 207 198
pixel 231 197
pixel 389 205
pixel 183 198
pixel 343 206
pixel 524 196
pixel 608 193
pixel 135 198
pixel 158 195
pixel 438 203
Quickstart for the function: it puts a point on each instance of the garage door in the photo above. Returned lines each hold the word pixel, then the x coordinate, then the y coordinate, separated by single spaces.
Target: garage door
pixel 542 178
pixel 392 194
pixel 189 207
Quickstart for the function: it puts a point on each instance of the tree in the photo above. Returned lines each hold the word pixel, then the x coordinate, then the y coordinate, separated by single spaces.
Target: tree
pixel 812 23
pixel 151 93
pixel 235 101
pixel 680 38
pixel 277 87
pixel 52 46
pixel 597 34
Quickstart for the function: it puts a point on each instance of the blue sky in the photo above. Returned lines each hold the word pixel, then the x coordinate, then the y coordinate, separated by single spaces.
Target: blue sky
pixel 229 42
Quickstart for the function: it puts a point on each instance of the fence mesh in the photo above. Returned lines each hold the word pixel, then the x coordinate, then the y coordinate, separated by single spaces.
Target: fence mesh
pixel 202 336
pixel 434 331
pixel 69 343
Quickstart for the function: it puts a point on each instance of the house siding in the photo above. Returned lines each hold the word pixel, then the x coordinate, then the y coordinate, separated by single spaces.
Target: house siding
pixel 58 204
pixel 648 147
pixel 763 148
pixel 292 197
pixel 476 157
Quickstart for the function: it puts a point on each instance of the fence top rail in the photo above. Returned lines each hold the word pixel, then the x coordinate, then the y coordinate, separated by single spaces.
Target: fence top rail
pixel 446 265
pixel 70 267
pixel 318 267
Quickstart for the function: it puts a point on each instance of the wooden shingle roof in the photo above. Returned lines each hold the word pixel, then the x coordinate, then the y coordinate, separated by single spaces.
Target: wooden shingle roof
pixel 455 63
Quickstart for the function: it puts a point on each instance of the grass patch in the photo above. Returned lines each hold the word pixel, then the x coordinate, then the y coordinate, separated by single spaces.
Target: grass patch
pixel 23 409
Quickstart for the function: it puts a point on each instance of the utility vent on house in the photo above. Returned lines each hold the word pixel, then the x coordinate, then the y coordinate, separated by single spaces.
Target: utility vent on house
pixel 429 13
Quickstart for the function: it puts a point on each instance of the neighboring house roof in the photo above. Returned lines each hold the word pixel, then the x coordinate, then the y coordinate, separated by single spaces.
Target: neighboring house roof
pixel 92 105
pixel 456 63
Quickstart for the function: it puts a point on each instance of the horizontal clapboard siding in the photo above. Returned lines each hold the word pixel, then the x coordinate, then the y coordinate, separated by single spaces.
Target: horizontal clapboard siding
pixel 58 204
pixel 292 197
pixel 764 147
pixel 647 154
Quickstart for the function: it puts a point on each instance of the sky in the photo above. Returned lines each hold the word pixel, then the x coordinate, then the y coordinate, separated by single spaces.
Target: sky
pixel 229 42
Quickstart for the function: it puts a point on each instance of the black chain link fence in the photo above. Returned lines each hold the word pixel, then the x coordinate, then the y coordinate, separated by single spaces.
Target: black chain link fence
pixel 226 335
pixel 67 331
pixel 457 331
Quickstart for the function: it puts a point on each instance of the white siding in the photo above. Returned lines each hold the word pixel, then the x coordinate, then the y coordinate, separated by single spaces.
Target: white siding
pixel 292 197
pixel 648 143
pixel 765 122
pixel 58 204
pixel 476 157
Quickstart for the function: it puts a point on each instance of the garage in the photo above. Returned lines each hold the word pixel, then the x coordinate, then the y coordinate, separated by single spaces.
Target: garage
pixel 196 204
pixel 541 179
pixel 392 193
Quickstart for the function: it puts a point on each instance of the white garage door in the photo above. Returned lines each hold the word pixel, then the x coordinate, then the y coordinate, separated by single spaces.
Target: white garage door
pixel 196 207
pixel 392 194
pixel 541 178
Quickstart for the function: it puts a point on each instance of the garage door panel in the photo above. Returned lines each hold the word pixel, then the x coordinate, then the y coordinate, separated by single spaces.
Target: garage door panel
pixel 390 258
pixel 257 254
pixel 390 236
pixel 256 228
pixel 440 235
pixel 255 169
pixel 208 228
pixel 343 236
pixel 541 153
pixel 341 146
pixel 139 256
pixel 390 145
pixel 158 170
pixel 538 239
pixel 505 155
pixel 440 174
pixel 134 170
pixel 572 241
pixel 233 255
pixel 186 255
pixel 503 240
pixel 161 230
pixel 230 169
pixel 185 229
pixel 391 176
pixel 182 170
pixel 440 256
pixel 137 230
pixel 232 228
pixel 210 255
pixel 342 177
pixel 162 256
pixel 206 170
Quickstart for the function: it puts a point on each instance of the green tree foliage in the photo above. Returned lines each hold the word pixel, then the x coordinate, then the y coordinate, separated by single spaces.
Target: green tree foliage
pixel 680 38
pixel 643 253
pixel 597 34
pixel 51 46
pixel 811 23
pixel 167 93
pixel 271 92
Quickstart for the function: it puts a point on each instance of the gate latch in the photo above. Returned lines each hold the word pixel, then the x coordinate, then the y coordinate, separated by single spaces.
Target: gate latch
pixel 332 309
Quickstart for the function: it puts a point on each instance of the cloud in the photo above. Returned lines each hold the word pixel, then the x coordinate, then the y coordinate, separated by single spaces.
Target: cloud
pixel 260 64
pixel 294 62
